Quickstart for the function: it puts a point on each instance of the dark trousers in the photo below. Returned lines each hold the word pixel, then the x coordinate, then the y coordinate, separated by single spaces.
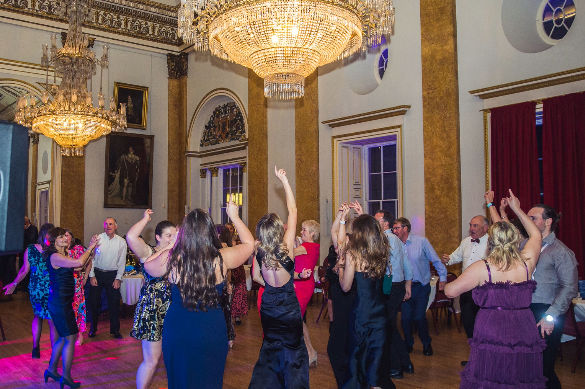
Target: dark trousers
pixel 395 346
pixel 468 313
pixel 338 347
pixel 105 279
pixel 553 341
pixel 414 310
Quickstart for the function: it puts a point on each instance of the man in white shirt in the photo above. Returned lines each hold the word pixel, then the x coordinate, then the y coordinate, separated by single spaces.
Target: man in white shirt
pixel 472 249
pixel 106 272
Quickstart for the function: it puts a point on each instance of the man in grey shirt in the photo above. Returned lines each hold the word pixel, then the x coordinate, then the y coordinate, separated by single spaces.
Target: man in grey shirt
pixel 556 285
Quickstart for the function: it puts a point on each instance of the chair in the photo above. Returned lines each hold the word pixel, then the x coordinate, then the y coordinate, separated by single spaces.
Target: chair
pixel 576 329
pixel 442 303
pixel 323 284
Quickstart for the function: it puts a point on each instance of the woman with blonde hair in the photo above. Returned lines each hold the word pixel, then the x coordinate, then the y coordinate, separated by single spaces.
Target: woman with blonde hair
pixel 506 349
pixel 363 259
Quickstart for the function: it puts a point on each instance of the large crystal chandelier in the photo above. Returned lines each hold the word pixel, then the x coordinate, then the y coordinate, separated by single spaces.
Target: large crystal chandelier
pixel 284 41
pixel 67 113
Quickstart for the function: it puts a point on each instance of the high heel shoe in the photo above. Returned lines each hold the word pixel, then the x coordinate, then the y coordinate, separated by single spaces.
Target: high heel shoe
pixel 36 353
pixel 313 361
pixel 72 384
pixel 55 377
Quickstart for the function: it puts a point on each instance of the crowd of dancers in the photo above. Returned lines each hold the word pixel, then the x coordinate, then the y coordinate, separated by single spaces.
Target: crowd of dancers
pixel 194 291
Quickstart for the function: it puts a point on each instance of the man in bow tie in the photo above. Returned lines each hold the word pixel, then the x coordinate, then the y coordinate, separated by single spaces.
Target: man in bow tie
pixel 472 249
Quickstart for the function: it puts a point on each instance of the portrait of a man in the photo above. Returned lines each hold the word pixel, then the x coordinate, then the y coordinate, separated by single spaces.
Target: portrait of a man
pixel 136 100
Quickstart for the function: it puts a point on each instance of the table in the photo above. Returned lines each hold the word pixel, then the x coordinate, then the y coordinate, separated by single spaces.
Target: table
pixel 130 288
pixel 579 316
pixel 434 280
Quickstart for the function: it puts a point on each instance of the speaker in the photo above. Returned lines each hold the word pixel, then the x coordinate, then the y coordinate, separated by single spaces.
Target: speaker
pixel 13 181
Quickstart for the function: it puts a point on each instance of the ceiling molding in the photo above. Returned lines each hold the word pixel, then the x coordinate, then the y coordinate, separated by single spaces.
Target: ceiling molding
pixel 218 150
pixel 399 110
pixel 528 84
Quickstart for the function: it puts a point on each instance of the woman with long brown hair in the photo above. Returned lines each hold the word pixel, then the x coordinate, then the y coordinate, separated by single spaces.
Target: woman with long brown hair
pixel 363 259
pixel 194 340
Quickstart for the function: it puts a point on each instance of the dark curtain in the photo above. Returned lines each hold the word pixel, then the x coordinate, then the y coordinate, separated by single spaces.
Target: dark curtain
pixel 514 153
pixel 563 163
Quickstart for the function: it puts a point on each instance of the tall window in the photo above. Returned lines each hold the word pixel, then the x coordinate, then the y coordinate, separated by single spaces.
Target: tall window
pixel 382 185
pixel 233 188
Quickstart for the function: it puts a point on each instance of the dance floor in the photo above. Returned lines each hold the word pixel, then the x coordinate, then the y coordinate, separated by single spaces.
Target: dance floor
pixel 103 362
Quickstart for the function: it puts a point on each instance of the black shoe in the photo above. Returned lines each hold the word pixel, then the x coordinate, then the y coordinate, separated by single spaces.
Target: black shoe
pixel 238 321
pixel 55 377
pixel 396 374
pixel 116 335
pixel 409 349
pixel 72 384
pixel 409 368
pixel 463 363
pixel 36 353
pixel 91 334
pixel 428 350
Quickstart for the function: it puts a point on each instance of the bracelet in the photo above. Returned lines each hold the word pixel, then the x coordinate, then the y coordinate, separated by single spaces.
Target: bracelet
pixel 489 205
pixel 342 222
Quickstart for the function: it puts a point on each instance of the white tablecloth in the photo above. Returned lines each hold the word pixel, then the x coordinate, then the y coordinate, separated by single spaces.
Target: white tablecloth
pixel 433 293
pixel 579 316
pixel 130 288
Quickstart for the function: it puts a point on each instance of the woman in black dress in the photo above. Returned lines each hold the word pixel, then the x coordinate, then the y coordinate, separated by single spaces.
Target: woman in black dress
pixel 283 361
pixel 363 259
pixel 61 301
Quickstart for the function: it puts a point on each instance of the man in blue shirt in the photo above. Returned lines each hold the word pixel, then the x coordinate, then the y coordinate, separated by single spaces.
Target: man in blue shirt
pixel 399 267
pixel 419 252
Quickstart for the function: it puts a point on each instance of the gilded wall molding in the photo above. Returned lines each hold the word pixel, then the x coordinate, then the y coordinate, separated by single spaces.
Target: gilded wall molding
pixel 177 65
pixel 228 161
pixel 528 84
pixel 140 19
pixel 218 150
pixel 383 113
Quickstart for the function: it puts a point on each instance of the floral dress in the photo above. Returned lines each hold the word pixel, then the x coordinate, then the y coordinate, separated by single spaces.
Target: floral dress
pixel 152 306
pixel 39 284
pixel 240 293
pixel 79 297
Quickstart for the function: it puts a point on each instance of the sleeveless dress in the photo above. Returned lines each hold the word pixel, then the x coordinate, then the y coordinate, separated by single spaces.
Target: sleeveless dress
pixel 506 348
pixel 283 361
pixel 368 336
pixel 195 344
pixel 38 286
pixel 79 296
pixel 152 306
pixel 61 298
pixel 239 304
pixel 304 289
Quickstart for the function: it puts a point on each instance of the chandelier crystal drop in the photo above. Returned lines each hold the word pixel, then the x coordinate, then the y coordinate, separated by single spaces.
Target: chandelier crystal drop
pixel 66 112
pixel 284 41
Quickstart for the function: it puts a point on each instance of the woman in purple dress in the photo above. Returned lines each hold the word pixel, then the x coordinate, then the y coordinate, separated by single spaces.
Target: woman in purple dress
pixel 506 349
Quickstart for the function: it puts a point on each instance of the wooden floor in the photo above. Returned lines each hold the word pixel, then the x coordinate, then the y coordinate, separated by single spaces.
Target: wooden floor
pixel 103 362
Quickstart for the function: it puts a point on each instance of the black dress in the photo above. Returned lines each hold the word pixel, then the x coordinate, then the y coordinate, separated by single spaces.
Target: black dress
pixel 368 336
pixel 62 289
pixel 283 361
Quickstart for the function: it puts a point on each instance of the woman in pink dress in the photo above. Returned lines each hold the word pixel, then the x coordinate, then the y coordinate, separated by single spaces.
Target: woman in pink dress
pixel 306 257
pixel 80 277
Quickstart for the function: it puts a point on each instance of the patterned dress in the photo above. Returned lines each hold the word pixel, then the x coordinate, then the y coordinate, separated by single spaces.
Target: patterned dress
pixel 79 297
pixel 39 285
pixel 240 293
pixel 152 306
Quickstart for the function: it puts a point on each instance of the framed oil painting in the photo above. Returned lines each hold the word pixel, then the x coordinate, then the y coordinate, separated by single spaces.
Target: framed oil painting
pixel 136 100
pixel 128 181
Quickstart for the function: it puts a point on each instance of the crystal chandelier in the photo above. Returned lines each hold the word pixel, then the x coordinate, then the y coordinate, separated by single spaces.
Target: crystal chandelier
pixel 66 112
pixel 283 41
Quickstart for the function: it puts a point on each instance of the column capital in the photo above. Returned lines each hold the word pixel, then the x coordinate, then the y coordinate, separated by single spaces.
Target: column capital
pixel 177 65
pixel 203 173
pixel 214 171
pixel 33 137
pixel 244 166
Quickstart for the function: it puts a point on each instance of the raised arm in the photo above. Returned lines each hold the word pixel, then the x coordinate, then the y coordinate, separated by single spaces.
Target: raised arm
pixel 9 288
pixel 289 235
pixel 135 242
pixel 341 235
pixel 58 260
pixel 335 225
pixel 489 203
pixel 531 250
pixel 236 255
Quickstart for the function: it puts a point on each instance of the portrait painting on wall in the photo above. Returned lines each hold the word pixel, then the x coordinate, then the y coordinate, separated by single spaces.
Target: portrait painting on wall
pixel 136 100
pixel 128 182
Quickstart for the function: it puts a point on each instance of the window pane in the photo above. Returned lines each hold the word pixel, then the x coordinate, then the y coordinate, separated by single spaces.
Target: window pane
pixel 375 187
pixel 390 186
pixel 374 159
pixel 389 155
pixel 224 217
pixel 226 178
pixel 373 206
pixel 390 206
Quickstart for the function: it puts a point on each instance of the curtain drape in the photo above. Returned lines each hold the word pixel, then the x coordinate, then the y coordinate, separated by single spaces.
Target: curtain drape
pixel 514 153
pixel 563 160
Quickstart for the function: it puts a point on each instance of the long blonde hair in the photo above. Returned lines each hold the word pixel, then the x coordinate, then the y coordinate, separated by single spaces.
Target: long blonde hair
pixel 503 245
pixel 270 234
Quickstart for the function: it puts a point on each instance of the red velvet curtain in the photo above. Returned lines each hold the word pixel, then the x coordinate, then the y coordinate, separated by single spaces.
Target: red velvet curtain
pixel 514 153
pixel 563 160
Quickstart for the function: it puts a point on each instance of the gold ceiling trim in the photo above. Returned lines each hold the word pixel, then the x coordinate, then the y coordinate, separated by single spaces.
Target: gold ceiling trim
pixel 141 19
pixel 399 110
pixel 219 150
pixel 528 84
pixel 229 161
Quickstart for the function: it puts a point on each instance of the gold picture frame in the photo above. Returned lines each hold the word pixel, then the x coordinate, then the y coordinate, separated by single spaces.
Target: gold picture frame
pixel 136 99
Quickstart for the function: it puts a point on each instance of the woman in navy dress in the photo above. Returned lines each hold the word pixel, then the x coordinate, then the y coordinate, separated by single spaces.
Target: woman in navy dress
pixel 155 297
pixel 194 339
pixel 283 361
pixel 61 301
pixel 363 259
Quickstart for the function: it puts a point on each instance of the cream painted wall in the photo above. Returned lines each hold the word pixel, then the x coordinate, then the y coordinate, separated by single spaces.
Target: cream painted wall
pixel 486 58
